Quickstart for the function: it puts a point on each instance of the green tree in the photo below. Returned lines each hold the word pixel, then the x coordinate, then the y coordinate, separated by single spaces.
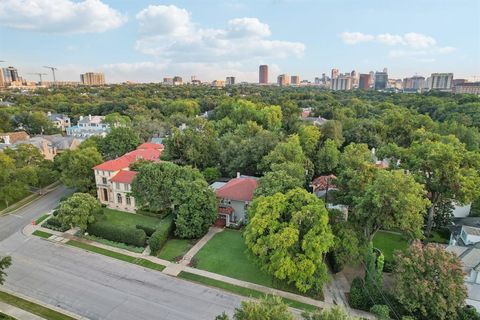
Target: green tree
pixel 327 158
pixel 211 174
pixel 347 248
pixel 35 123
pixel 289 235
pixel 78 210
pixel 268 308
pixel 76 168
pixel 118 142
pixel 276 181
pixel 5 262
pixel 334 313
pixel 393 200
pixel 115 119
pixel 333 130
pixel 309 140
pixel 381 311
pixel 429 282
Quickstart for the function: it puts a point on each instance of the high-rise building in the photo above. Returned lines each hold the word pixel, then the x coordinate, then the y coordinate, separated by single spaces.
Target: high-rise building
pixel 441 81
pixel 177 80
pixel 334 73
pixel 92 79
pixel 218 83
pixel 295 80
pixel 342 82
pixel 168 81
pixel 193 78
pixel 13 74
pixel 263 74
pixel 230 81
pixel 372 78
pixel 381 80
pixel 467 87
pixel 414 83
pixel 283 80
pixel 364 82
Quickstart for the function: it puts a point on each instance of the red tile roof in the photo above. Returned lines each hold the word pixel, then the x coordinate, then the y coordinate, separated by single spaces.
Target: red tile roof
pixel 151 145
pixel 124 176
pixel 124 161
pixel 321 183
pixel 240 189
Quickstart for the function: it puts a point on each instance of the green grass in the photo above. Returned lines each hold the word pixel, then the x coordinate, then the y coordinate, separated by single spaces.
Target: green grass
pixel 226 254
pixel 127 219
pixel 437 237
pixel 119 245
pixel 175 248
pixel 241 290
pixel 389 242
pixel 18 201
pixel 4 316
pixel 32 307
pixel 119 256
pixel 42 234
pixel 40 220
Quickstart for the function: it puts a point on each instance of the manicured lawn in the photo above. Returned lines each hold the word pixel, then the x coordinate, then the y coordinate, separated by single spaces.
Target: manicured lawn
pixel 4 316
pixel 389 242
pixel 129 219
pixel 119 245
pixel 42 234
pixel 241 290
pixel 112 254
pixel 175 248
pixel 33 307
pixel 40 220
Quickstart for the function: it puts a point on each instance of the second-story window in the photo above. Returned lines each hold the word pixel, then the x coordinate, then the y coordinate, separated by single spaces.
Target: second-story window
pixel 117 185
pixel 104 180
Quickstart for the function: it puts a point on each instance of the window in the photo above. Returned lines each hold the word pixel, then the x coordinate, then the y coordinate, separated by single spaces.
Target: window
pixel 119 198
pixel 128 200
pixel 127 187
pixel 104 180
pixel 117 185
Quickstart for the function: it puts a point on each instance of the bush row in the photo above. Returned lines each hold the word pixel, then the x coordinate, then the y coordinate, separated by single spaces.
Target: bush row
pixel 132 236
pixel 160 236
pixel 148 229
pixel 54 224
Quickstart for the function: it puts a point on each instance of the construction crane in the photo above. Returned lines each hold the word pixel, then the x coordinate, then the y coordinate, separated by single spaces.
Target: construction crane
pixel 53 72
pixel 40 75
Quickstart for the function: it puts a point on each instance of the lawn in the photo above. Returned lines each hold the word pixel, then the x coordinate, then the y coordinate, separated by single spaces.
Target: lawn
pixel 389 242
pixel 32 307
pixel 438 237
pixel 127 219
pixel 175 248
pixel 42 234
pixel 40 220
pixel 119 245
pixel 241 290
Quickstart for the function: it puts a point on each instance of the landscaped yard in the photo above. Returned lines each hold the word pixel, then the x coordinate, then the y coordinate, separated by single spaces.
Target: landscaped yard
pixel 128 219
pixel 226 254
pixel 388 242
pixel 175 248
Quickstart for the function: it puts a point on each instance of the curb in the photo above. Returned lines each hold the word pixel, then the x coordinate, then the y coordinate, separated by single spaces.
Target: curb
pixel 54 186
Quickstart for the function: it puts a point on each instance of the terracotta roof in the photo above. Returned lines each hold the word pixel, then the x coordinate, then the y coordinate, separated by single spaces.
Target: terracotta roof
pixel 151 145
pixel 321 183
pixel 16 136
pixel 124 176
pixel 240 189
pixel 124 161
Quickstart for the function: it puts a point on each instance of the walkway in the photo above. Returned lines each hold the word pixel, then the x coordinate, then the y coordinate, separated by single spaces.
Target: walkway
pixel 17 313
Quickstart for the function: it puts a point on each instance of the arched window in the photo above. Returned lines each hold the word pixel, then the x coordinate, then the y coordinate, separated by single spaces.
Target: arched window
pixel 119 198
pixel 128 200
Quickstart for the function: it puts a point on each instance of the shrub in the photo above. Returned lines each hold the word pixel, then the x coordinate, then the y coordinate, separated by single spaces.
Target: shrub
pixel 160 236
pixel 358 298
pixel 148 230
pixel 334 263
pixel 54 224
pixel 468 313
pixel 127 235
pixel 381 311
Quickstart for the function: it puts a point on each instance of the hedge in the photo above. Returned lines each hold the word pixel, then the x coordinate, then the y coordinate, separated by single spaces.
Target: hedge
pixel 160 236
pixel 148 229
pixel 128 235
pixel 54 224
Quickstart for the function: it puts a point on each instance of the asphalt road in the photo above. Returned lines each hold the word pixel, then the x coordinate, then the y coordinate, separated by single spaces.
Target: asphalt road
pixel 98 287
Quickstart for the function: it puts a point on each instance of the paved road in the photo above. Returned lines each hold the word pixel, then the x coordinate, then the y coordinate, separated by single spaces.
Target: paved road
pixel 98 287
pixel 15 221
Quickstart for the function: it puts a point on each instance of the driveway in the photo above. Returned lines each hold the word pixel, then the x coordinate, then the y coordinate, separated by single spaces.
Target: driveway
pixel 95 286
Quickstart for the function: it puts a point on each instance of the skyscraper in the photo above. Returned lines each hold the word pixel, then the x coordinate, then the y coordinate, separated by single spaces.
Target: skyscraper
pixel 334 73
pixel 295 80
pixel 364 82
pixel 342 82
pixel 230 81
pixel 414 83
pixel 283 80
pixel 263 74
pixel 381 80
pixel 441 81
pixel 92 79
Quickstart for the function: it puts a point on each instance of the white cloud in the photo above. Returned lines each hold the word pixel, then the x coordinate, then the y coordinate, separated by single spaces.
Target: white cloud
pixel 418 40
pixel 389 39
pixel 355 37
pixel 168 32
pixel 59 16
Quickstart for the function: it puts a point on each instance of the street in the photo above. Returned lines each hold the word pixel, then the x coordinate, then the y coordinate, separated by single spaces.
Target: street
pixel 95 286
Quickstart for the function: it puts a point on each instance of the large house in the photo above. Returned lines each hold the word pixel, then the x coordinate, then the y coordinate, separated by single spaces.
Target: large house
pixel 234 197
pixel 89 126
pixel 114 177
pixel 60 121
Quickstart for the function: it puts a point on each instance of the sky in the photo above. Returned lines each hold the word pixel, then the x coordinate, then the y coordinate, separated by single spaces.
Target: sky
pixel 146 40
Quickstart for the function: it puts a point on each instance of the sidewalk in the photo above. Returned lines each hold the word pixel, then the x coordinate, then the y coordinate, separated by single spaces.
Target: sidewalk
pixel 17 313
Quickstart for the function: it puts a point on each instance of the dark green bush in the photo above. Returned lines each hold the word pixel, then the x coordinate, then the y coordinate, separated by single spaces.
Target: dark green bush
pixel 54 224
pixel 133 236
pixel 358 298
pixel 334 263
pixel 148 230
pixel 160 236
pixel 381 311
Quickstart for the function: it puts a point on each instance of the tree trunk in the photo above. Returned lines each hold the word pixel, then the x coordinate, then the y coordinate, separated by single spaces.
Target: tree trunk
pixel 431 214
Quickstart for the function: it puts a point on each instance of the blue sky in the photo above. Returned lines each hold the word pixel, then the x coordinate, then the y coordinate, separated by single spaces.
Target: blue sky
pixel 141 40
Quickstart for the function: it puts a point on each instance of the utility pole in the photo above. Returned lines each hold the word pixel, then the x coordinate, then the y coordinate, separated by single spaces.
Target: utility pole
pixel 40 75
pixel 53 73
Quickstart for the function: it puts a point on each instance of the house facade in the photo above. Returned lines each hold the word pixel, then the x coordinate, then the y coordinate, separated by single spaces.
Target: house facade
pixel 113 178
pixel 234 198
pixel 89 126
pixel 60 121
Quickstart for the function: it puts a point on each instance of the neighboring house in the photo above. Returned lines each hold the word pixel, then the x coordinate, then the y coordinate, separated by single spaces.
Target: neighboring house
pixel 317 121
pixel 322 184
pixel 62 143
pixel 60 121
pixel 234 198
pixel 89 126
pixel 114 178
pixel 13 137
pixel 468 235
pixel 460 211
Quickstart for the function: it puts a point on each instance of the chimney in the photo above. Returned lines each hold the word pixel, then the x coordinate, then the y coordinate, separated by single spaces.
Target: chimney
pixel 49 113
pixel 81 117
pixel 238 174
pixel 90 117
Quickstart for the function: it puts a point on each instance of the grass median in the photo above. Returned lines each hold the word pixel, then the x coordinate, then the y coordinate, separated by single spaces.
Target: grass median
pixel 32 307
pixel 42 234
pixel 241 290
pixel 119 256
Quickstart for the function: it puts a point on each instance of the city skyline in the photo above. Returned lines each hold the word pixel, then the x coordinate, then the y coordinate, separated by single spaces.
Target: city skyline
pixel 145 41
